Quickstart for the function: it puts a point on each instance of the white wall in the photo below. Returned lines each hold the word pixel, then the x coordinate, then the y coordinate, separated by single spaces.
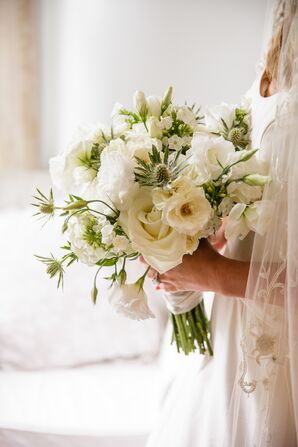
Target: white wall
pixel 97 52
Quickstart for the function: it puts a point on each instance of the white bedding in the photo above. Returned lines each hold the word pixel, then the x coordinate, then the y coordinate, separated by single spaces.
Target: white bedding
pixel 110 401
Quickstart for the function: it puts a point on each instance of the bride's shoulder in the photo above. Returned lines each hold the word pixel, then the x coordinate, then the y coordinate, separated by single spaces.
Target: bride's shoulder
pixel 255 86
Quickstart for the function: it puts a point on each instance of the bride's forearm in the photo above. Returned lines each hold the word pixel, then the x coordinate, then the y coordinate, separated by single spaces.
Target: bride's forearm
pixel 231 277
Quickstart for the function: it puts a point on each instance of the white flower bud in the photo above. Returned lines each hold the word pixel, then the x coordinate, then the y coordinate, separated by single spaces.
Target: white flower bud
pixel 140 103
pixel 154 127
pixel 154 106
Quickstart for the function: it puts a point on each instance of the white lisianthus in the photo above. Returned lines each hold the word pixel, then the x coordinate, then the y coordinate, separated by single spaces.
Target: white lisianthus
pixel 161 245
pixel 189 212
pixel 99 134
pixel 244 218
pixel 139 143
pixel 258 216
pixel 208 154
pixel 237 226
pixel 154 127
pixel 87 250
pixel 225 206
pixel 186 115
pixel 116 175
pixel 215 115
pixel 120 244
pixel 68 171
pixel 154 106
pixel 131 301
pixel 120 125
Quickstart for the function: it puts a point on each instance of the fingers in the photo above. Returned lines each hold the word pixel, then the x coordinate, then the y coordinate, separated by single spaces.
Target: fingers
pixel 142 260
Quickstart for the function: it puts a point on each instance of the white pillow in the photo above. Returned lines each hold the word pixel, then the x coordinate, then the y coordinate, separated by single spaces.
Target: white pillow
pixel 41 327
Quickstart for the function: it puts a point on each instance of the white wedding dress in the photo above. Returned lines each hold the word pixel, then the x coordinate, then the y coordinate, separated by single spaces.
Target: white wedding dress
pixel 197 410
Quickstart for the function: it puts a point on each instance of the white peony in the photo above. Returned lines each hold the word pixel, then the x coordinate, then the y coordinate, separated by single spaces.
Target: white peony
pixel 88 253
pixel 215 115
pixel 131 301
pixel 161 245
pixel 188 212
pixel 208 154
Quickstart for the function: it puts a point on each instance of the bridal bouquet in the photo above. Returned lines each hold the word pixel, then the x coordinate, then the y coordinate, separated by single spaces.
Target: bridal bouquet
pixel 153 184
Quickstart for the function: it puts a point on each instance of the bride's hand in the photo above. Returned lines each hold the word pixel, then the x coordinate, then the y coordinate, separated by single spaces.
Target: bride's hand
pixel 196 272
pixel 206 270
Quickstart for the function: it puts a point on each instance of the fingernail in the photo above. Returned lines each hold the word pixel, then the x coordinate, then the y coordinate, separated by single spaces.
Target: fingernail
pixel 157 287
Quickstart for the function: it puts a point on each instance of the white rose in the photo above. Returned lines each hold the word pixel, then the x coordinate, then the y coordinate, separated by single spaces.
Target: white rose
pixel 215 115
pixel 154 106
pixel 131 301
pixel 116 176
pixel 161 246
pixel 208 154
pixel 187 213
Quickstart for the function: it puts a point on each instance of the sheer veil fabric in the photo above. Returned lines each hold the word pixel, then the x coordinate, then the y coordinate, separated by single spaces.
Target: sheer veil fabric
pixel 269 339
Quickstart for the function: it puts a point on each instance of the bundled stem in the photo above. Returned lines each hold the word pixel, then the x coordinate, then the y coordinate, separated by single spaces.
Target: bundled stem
pixel 191 331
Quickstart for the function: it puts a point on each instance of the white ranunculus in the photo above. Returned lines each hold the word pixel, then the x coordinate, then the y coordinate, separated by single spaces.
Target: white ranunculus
pixel 77 226
pixel 215 115
pixel 187 213
pixel 154 106
pixel 131 301
pixel 69 173
pixel 208 154
pixel 162 246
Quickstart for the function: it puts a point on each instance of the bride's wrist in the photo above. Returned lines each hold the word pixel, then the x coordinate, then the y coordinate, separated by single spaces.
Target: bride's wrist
pixel 231 276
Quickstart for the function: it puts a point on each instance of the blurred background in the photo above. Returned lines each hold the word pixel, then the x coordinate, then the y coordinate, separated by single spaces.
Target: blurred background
pixel 72 374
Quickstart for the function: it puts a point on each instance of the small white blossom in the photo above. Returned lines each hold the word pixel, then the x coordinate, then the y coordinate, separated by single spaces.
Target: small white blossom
pixel 175 142
pixel 166 122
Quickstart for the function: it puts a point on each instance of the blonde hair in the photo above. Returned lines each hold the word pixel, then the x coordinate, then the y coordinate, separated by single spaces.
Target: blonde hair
pixel 281 40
